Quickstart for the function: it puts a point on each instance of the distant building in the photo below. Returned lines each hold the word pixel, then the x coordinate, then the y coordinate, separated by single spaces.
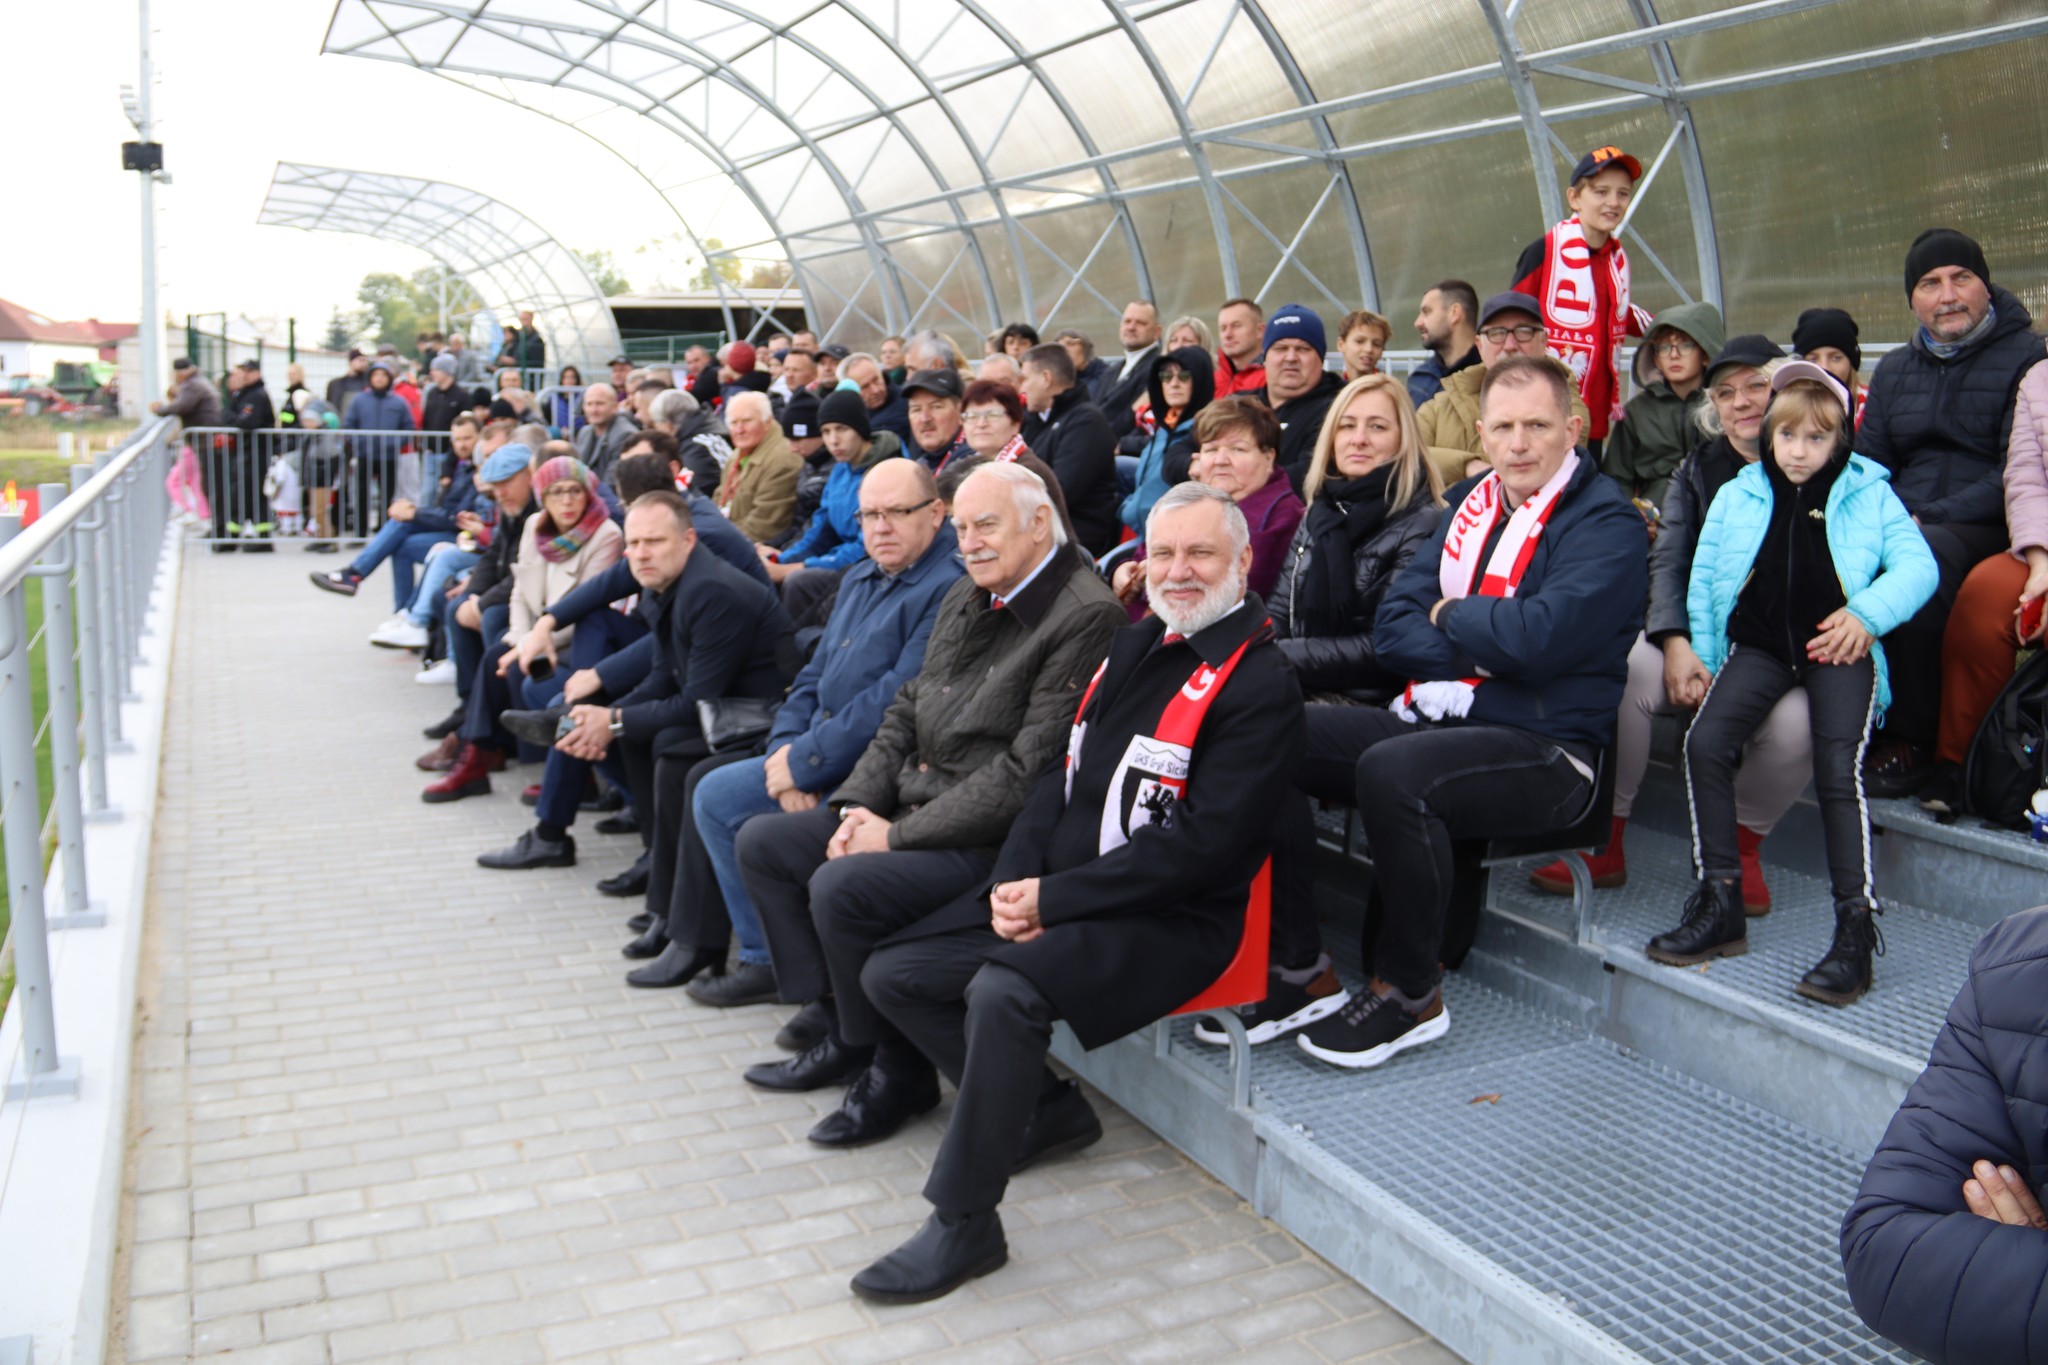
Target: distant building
pixel 31 343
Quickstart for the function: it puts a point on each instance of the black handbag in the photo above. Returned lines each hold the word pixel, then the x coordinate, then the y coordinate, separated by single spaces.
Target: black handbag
pixel 731 723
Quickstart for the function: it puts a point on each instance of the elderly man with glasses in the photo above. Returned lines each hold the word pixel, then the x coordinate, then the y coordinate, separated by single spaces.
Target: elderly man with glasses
pixel 1509 324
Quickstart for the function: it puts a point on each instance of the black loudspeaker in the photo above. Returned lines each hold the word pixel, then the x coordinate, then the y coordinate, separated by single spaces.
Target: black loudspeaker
pixel 142 156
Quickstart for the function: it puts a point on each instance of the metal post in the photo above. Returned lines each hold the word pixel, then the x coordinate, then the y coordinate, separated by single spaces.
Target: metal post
pixel 21 825
pixel 151 331
pixel 107 617
pixel 78 911
pixel 85 543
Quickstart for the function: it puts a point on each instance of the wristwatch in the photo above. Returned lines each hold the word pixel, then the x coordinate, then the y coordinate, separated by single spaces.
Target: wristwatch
pixel 618 724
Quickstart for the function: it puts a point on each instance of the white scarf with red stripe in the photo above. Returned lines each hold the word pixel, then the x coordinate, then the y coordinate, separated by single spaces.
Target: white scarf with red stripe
pixel 1459 573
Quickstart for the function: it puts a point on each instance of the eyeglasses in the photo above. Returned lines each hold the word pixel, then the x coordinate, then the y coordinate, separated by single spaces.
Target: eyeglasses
pixel 875 516
pixel 565 490
pixel 1674 348
pixel 1728 393
pixel 1527 331
pixel 992 415
pixel 1173 374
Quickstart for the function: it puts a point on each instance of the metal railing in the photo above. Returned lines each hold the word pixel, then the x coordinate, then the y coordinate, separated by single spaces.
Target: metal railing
pixel 345 481
pixel 92 554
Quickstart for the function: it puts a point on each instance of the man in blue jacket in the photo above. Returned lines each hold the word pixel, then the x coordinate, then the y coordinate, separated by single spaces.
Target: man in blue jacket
pixel 873 643
pixel 1514 621
pixel 376 408
pixel 1946 1247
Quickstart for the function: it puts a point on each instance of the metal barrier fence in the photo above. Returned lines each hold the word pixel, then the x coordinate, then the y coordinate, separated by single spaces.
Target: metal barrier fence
pixel 93 553
pixel 321 485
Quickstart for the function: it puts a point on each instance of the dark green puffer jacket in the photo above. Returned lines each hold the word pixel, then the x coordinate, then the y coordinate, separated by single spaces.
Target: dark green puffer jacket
pixel 1658 427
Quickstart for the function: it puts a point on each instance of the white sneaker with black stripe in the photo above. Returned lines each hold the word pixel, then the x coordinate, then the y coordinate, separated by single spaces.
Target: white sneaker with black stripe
pixel 1287 1007
pixel 1373 1030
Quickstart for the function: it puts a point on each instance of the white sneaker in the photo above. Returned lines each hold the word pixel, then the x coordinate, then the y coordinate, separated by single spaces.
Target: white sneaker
pixel 439 671
pixel 399 633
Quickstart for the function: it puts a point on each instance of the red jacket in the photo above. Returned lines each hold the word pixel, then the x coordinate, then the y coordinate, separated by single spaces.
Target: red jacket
pixel 1231 380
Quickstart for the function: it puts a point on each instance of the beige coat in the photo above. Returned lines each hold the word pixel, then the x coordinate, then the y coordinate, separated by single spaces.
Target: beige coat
pixel 538 583
pixel 1449 423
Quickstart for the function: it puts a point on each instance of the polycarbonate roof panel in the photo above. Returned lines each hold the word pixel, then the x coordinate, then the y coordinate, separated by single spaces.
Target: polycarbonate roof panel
pixel 941 159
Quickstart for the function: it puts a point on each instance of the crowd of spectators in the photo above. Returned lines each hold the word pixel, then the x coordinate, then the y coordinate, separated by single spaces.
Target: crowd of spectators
pixel 812 629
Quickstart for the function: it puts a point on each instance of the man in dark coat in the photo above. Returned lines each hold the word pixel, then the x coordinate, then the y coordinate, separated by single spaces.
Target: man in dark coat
pixel 1299 388
pixel 919 821
pixel 1122 383
pixel 1069 432
pixel 1946 1247
pixel 1119 895
pixel 242 511
pixel 1938 416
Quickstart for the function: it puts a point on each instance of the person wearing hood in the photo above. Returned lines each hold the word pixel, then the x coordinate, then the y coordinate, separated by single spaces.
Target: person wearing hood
pixel 1939 419
pixel 1659 425
pixel 1066 429
pixel 376 409
pixel 1298 387
pixel 1181 385
pixel 1830 338
pixel 1806 558
pixel 810 567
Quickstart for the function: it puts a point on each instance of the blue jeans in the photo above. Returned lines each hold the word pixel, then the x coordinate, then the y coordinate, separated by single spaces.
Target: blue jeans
pixel 727 799
pixel 391 541
pixel 406 560
pixel 429 600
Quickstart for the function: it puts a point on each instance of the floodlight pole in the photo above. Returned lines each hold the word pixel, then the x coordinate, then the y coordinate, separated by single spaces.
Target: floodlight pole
pixel 151 329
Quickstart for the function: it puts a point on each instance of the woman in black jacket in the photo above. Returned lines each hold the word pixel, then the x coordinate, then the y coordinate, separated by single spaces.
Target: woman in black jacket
pixel 1374 498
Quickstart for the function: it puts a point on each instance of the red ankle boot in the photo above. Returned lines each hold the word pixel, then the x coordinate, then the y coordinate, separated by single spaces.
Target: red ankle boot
pixel 1609 866
pixel 1756 897
pixel 471 776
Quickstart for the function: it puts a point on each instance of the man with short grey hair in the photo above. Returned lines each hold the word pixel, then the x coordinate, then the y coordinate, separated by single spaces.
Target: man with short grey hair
pixel 700 437
pixel 919 820
pixel 1118 896
pixel 599 443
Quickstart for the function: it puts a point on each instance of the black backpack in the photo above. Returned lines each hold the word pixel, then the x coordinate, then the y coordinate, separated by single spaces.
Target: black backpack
pixel 2008 760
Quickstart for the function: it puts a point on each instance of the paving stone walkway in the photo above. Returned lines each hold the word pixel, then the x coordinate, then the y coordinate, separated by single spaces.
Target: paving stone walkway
pixel 393 1107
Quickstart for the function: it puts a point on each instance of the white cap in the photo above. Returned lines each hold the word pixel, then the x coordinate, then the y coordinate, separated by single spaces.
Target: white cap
pixel 1794 370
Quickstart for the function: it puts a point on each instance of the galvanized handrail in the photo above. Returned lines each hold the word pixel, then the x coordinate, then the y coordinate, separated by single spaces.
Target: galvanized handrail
pixel 95 544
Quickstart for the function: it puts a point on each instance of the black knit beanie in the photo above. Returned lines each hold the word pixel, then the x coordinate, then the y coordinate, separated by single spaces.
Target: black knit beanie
pixel 1938 247
pixel 1819 327
pixel 845 407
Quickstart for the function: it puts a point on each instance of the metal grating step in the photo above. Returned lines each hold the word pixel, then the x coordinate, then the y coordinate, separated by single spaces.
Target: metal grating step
pixel 1927 955
pixel 1686 1224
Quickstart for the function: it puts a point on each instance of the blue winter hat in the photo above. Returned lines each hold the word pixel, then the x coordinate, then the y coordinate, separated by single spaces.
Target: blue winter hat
pixel 1298 322
pixel 504 462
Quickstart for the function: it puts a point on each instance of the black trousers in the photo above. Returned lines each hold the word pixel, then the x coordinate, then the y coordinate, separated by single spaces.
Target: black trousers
pixel 658 772
pixel 823 918
pixel 490 696
pixel 695 911
pixel 1421 788
pixel 1913 651
pixel 1839 700
pixel 987 1028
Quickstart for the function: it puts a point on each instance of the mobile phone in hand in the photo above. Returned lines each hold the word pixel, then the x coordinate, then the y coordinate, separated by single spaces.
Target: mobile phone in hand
pixel 2030 618
pixel 541 669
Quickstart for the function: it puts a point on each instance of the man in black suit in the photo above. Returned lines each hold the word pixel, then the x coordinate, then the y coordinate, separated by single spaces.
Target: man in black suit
pixel 717 633
pixel 1119 894
pixel 1070 433
pixel 1122 382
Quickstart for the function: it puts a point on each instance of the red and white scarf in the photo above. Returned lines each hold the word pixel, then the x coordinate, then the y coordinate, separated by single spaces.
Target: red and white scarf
pixel 1459 573
pixel 1588 344
pixel 1153 774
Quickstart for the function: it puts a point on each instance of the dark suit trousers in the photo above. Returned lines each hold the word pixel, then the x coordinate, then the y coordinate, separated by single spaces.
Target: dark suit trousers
pixel 987 1027
pixel 824 918
pixel 658 772
pixel 696 914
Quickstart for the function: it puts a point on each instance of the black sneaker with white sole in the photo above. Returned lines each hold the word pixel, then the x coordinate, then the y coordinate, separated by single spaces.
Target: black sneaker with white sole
pixel 1373 1029
pixel 1287 1007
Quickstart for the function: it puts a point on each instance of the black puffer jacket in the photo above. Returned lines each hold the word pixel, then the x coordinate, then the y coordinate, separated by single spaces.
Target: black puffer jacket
pixel 1694 483
pixel 1346 663
pixel 1941 426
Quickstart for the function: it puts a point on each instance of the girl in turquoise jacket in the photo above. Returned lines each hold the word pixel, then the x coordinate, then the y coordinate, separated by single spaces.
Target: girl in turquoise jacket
pixel 1804 560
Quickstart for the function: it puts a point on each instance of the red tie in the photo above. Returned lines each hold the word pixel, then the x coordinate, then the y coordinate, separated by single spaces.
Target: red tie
pixel 995 603
pixel 1172 637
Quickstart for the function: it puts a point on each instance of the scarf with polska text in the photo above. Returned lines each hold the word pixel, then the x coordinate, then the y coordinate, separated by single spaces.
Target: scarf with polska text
pixel 1153 774
pixel 1460 574
pixel 1565 289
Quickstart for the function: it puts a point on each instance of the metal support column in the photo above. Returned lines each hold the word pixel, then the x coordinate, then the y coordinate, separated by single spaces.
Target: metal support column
pixel 85 542
pixel 78 911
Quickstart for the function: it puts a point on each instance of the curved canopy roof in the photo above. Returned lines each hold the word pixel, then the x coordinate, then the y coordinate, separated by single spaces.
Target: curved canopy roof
pixel 956 164
pixel 508 259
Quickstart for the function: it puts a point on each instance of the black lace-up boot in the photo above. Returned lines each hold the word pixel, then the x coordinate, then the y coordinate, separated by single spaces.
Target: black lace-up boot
pixel 1714 926
pixel 1844 974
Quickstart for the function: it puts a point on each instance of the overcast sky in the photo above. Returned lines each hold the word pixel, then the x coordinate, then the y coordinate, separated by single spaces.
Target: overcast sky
pixel 239 88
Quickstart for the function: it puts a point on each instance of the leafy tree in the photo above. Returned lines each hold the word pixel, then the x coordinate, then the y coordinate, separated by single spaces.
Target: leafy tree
pixel 340 336
pixel 716 268
pixel 769 275
pixel 397 308
pixel 603 269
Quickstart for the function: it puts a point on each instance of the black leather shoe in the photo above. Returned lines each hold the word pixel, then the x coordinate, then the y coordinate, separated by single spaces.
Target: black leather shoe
pixel 826 1062
pixel 631 882
pixel 652 940
pixel 805 1028
pixel 1063 1122
pixel 447 725
pixel 535 727
pixel 675 967
pixel 624 822
pixel 948 1251
pixel 1714 926
pixel 1845 973
pixel 638 924
pixel 1893 767
pixel 530 850
pixel 598 802
pixel 749 983
pixel 877 1105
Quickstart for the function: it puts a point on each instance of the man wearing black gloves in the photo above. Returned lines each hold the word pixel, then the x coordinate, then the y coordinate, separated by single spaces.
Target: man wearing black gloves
pixel 1119 895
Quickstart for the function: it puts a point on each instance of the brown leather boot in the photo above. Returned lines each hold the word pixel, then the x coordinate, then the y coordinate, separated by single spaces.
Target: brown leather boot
pixel 441 757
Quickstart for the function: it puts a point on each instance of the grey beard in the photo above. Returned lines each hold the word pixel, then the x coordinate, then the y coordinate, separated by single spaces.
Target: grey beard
pixel 1214 606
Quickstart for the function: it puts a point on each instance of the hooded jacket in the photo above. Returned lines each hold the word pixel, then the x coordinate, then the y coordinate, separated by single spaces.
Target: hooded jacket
pixel 1881 561
pixel 832 539
pixel 374 411
pixel 1168 451
pixel 1555 655
pixel 1658 427
pixel 1942 426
